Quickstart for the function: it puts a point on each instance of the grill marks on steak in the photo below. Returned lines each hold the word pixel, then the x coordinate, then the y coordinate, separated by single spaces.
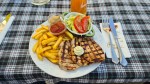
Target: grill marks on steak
pixel 93 53
pixel 65 61
pixel 97 50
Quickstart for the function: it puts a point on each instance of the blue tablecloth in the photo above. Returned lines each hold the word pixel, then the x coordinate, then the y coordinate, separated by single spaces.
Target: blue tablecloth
pixel 16 65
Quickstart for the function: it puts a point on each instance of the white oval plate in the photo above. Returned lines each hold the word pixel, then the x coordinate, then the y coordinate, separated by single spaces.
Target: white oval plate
pixel 54 70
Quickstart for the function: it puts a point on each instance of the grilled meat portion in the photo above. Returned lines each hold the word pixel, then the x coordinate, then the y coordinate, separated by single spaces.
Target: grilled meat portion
pixel 65 61
pixel 93 53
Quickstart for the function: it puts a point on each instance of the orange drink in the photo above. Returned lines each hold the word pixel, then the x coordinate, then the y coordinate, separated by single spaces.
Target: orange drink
pixel 79 6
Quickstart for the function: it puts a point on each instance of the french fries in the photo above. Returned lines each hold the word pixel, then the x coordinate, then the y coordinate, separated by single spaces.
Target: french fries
pixel 47 44
pixel 46 48
pixel 50 35
pixel 35 47
pixel 38 36
pixel 51 55
pixel 53 61
pixel 45 36
pixel 42 31
pixel 39 29
pixel 69 34
pixel 45 27
pixel 38 50
pixel 49 40
pixel 40 57
pixel 57 42
pixel 53 51
pixel 51 43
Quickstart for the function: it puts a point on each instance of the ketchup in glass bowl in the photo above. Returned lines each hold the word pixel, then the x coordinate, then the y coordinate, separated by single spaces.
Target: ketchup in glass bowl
pixel 57 26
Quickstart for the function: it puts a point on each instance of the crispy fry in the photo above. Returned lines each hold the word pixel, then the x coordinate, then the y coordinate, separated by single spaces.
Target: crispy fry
pixel 38 36
pixel 50 35
pixel 50 55
pixel 53 51
pixel 69 34
pixel 57 58
pixel 57 42
pixel 45 27
pixel 38 50
pixel 44 42
pixel 56 54
pixel 39 29
pixel 36 33
pixel 41 39
pixel 51 43
pixel 40 57
pixel 45 36
pixel 46 48
pixel 42 54
pixel 53 61
pixel 35 47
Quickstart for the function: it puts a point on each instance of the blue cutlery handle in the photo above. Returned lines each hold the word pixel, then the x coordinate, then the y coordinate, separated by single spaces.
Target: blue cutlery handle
pixel 114 56
pixel 123 61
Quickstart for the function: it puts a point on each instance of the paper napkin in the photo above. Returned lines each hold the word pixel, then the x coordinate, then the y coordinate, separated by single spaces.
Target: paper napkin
pixel 3 33
pixel 121 39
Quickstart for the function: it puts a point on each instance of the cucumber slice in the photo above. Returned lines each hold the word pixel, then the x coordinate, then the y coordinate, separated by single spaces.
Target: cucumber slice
pixel 92 33
pixel 64 14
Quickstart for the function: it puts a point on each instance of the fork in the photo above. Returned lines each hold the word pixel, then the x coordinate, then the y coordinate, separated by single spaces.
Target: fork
pixel 105 26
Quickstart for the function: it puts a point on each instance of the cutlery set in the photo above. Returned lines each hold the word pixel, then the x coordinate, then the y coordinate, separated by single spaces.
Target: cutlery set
pixel 109 27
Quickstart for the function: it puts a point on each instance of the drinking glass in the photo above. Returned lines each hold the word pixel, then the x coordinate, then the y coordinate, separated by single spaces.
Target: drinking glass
pixel 40 2
pixel 79 6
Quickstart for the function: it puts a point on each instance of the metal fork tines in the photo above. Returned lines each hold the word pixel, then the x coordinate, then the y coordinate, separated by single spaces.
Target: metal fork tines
pixel 105 26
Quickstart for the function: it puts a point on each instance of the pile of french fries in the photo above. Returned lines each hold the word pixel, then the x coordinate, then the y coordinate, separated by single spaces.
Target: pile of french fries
pixel 47 44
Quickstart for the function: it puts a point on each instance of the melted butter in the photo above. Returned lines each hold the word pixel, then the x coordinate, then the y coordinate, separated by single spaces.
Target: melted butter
pixel 78 50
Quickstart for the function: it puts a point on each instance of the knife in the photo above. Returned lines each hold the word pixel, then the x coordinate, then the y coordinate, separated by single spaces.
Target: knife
pixel 123 61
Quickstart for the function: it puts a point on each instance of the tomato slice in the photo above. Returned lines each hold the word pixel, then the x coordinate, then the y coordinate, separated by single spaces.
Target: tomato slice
pixel 77 24
pixel 85 23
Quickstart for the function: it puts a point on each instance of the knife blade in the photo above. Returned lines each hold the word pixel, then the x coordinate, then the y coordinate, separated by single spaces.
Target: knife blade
pixel 123 61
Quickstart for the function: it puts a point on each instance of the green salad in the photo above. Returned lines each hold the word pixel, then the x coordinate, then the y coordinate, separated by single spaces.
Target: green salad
pixel 70 24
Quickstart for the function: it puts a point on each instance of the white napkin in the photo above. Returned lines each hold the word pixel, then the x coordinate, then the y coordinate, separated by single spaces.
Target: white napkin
pixel 121 39
pixel 4 31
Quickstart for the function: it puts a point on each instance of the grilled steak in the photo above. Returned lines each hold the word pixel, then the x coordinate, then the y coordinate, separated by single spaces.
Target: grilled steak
pixel 93 53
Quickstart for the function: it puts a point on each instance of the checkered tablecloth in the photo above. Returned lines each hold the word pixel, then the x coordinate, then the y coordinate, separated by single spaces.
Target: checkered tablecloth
pixel 16 65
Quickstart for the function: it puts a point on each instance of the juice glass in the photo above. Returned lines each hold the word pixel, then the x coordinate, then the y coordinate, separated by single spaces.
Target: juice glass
pixel 79 6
